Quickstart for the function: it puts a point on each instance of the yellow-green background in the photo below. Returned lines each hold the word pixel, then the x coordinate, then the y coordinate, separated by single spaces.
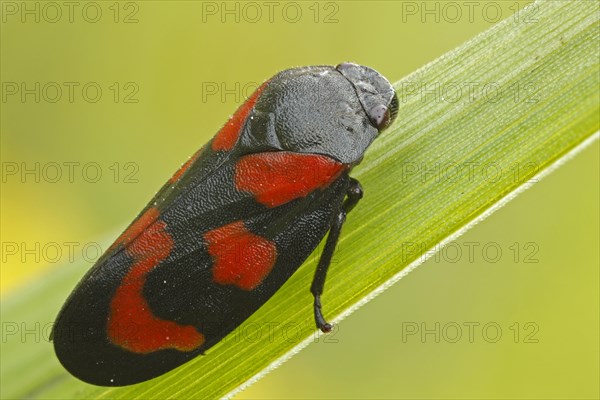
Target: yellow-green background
pixel 170 53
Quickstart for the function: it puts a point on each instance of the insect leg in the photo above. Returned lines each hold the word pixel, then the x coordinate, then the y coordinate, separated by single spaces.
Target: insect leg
pixel 353 194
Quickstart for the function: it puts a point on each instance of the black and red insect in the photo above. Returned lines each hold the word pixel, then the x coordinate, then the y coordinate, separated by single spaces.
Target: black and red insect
pixel 229 228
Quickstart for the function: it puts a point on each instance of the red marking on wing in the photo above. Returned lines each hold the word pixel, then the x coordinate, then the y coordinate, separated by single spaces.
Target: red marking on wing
pixel 279 177
pixel 131 324
pixel 137 227
pixel 227 137
pixel 185 167
pixel 241 258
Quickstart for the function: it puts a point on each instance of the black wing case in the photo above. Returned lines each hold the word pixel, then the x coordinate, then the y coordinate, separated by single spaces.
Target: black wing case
pixel 215 243
pixel 200 268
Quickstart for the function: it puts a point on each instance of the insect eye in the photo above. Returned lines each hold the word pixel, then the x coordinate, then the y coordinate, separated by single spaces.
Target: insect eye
pixel 379 116
pixel 382 116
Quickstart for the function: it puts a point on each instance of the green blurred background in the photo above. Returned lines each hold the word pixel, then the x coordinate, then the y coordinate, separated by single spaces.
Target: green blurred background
pixel 170 73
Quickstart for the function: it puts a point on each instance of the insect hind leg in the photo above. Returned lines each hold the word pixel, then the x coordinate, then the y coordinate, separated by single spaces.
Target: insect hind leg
pixel 353 195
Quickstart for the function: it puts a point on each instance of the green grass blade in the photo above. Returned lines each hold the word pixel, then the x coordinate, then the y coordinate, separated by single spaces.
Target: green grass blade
pixel 474 126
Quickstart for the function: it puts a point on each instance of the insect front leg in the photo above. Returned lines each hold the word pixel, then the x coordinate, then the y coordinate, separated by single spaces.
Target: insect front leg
pixel 353 194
